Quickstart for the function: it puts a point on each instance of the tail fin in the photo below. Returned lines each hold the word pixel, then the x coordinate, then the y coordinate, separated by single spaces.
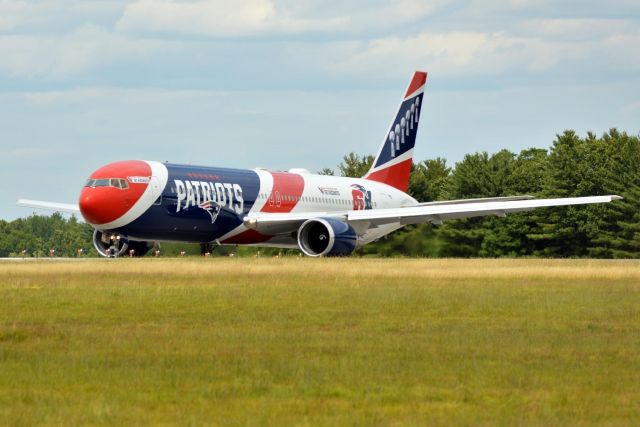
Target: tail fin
pixel 392 165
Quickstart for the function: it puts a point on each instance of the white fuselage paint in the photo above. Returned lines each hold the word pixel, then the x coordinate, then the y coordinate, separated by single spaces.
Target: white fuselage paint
pixel 328 195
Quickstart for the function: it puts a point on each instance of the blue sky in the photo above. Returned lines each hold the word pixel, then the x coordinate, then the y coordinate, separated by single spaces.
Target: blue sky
pixel 297 83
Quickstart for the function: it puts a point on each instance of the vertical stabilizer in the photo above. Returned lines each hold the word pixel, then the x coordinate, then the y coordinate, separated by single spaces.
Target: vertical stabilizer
pixel 392 164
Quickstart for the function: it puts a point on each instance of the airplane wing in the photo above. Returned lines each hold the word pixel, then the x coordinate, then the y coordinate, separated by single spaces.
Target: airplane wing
pixel 482 200
pixel 435 212
pixel 438 213
pixel 49 206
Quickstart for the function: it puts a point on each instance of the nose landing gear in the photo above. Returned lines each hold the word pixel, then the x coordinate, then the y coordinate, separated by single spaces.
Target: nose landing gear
pixel 110 245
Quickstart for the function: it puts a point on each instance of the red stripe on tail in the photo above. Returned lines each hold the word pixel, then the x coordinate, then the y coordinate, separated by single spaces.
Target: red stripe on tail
pixel 419 79
pixel 396 175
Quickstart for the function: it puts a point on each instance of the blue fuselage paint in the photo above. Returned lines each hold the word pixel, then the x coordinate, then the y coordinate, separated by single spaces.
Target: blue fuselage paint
pixel 198 204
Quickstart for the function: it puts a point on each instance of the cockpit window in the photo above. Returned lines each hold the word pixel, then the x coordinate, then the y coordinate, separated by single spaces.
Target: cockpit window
pixel 108 182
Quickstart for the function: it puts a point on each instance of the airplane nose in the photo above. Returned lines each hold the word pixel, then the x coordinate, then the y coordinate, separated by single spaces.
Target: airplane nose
pixel 100 206
pixel 90 206
pixel 113 190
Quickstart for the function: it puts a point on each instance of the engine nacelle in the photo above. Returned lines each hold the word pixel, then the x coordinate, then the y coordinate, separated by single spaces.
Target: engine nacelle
pixel 114 245
pixel 326 237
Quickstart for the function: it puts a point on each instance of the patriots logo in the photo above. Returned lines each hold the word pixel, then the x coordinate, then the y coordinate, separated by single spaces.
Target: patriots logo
pixel 212 208
pixel 361 197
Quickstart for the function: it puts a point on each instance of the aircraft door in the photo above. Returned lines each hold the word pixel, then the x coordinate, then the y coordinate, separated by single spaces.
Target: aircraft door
pixel 156 190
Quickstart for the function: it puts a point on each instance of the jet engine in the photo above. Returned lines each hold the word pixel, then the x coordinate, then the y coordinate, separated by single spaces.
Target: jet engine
pixel 114 245
pixel 326 237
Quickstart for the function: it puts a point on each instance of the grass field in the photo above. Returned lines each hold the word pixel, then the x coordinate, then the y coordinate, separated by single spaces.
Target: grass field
pixel 320 342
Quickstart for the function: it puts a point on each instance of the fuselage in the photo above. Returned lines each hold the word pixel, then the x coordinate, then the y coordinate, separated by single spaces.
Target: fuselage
pixel 147 200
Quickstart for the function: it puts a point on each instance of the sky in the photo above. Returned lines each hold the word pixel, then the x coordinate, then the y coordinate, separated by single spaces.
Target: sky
pixel 297 83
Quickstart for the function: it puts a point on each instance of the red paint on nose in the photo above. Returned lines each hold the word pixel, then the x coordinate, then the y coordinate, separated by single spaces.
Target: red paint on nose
pixel 104 204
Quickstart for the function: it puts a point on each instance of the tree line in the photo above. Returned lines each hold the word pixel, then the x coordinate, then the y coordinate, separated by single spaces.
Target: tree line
pixel 573 166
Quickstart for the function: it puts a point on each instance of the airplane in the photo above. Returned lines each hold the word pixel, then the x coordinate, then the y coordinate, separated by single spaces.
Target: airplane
pixel 132 204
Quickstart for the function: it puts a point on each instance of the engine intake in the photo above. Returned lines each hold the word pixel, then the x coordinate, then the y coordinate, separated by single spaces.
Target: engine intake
pixel 326 237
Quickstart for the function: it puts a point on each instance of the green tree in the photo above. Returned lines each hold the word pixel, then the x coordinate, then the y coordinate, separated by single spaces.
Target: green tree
pixel 477 175
pixel 577 167
pixel 528 173
pixel 38 234
pixel 481 175
pixel 327 171
pixel 617 231
pixel 355 166
pixel 428 179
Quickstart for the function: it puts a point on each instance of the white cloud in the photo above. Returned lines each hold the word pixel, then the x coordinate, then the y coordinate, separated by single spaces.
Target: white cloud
pixel 552 8
pixel 457 53
pixel 49 17
pixel 15 13
pixel 220 18
pixel 482 53
pixel 216 18
pixel 575 29
pixel 31 57
pixel 391 13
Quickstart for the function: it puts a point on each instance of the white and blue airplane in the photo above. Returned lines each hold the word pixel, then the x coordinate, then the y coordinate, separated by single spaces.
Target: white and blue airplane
pixel 133 203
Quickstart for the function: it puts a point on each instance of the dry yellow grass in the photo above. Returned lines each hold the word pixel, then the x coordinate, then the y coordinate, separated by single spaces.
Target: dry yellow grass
pixel 435 269
pixel 298 341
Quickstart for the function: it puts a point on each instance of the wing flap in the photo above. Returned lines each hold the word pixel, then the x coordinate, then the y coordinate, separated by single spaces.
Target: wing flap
pixel 481 200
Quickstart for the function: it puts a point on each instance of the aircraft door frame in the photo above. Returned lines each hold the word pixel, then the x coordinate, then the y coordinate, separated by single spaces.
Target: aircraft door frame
pixel 156 191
